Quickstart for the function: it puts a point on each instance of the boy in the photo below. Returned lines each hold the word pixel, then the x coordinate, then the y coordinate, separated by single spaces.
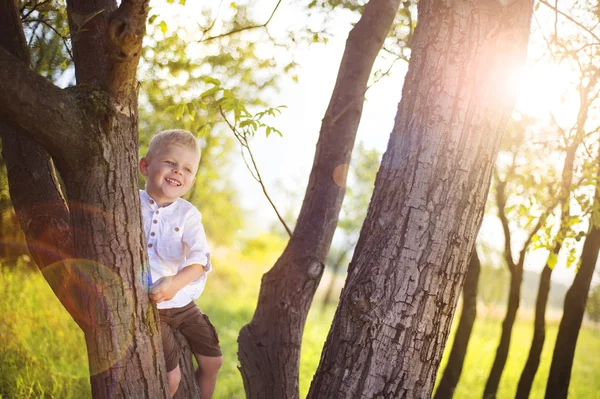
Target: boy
pixel 178 254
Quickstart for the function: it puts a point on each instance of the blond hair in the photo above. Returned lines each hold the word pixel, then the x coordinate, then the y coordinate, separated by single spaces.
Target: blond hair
pixel 173 136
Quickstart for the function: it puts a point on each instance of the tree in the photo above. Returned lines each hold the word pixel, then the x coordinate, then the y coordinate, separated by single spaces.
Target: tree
pixel 90 131
pixel 396 308
pixel 528 204
pixel 564 231
pixel 571 49
pixel 462 336
pixel 269 346
pixel 575 301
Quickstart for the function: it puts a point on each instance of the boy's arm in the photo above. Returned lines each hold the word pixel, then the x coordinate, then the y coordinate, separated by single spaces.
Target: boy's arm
pixel 165 288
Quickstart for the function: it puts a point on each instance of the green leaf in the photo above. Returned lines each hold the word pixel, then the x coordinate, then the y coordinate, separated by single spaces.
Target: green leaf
pixel 552 259
pixel 211 91
pixel 152 18
pixel 211 80
pixel 163 26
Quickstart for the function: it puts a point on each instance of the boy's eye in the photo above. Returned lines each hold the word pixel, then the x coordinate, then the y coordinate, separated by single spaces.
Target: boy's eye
pixel 188 170
pixel 170 162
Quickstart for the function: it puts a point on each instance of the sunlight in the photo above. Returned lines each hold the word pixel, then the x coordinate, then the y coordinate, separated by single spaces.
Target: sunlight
pixel 543 89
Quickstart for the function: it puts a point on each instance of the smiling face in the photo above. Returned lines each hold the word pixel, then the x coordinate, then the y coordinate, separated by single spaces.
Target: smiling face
pixel 170 172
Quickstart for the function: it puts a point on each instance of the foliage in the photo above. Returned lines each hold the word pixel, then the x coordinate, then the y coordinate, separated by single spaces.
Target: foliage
pixel 47 32
pixel 42 352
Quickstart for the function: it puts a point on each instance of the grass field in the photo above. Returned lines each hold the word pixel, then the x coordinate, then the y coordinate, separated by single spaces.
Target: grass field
pixel 42 352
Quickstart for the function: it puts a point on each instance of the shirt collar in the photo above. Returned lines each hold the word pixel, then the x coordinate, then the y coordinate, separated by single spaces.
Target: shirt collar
pixel 150 203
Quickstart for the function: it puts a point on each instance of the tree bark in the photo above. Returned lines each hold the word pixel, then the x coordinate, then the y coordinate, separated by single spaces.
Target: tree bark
pixel 269 346
pixel 396 309
pixel 462 336
pixel 92 253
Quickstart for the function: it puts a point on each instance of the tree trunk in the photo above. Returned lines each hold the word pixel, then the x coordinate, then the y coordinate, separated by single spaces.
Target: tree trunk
pixel 396 309
pixel 514 297
pixel 539 326
pixel 269 346
pixel 91 253
pixel 462 336
pixel 574 308
pixel 539 336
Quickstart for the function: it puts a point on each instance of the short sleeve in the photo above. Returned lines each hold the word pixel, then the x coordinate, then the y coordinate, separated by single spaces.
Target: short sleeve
pixel 196 245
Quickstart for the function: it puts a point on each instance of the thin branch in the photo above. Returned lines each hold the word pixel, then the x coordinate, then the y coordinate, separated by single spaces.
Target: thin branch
pixel 212 25
pixel 53 29
pixel 238 30
pixel 570 19
pixel 33 9
pixel 244 142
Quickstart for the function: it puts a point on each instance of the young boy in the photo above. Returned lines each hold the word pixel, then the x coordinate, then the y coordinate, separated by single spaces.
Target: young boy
pixel 178 254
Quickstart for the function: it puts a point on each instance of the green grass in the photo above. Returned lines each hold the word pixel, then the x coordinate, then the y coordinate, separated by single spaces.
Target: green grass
pixel 42 352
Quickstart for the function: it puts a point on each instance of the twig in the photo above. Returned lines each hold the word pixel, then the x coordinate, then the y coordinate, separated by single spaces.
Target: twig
pixel 244 27
pixel 570 19
pixel 53 29
pixel 244 142
pixel 34 8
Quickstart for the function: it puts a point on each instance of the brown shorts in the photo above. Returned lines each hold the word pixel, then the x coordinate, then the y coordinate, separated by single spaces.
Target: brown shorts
pixel 195 327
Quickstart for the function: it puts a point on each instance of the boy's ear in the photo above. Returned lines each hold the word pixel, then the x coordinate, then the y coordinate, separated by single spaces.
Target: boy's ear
pixel 144 166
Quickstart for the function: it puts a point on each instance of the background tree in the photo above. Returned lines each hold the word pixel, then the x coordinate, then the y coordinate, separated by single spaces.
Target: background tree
pixel 395 311
pixel 468 313
pixel 523 196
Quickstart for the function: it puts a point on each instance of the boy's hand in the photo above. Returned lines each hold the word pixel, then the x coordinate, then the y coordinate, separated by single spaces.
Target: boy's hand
pixel 163 289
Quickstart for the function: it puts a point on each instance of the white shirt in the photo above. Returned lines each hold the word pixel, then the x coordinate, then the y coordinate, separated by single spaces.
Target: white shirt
pixel 175 239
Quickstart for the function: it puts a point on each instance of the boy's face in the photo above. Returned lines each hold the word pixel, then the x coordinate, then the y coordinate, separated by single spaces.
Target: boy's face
pixel 170 173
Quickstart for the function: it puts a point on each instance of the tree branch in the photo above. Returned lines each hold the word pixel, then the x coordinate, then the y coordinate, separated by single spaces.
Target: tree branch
pixel 243 28
pixel 126 31
pixel 34 106
pixel 567 16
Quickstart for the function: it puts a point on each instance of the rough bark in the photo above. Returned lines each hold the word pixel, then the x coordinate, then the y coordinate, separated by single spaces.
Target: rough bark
pixel 396 309
pixel 269 346
pixel 91 132
pixel 453 370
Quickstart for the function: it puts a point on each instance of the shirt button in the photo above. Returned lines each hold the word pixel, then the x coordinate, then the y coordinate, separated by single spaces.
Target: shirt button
pixel 155 221
pixel 152 201
pixel 149 245
pixel 176 228
pixel 157 212
pixel 153 234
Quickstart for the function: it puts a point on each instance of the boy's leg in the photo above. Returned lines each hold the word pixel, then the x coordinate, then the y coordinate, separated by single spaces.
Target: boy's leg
pixel 204 343
pixel 208 368
pixel 174 378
